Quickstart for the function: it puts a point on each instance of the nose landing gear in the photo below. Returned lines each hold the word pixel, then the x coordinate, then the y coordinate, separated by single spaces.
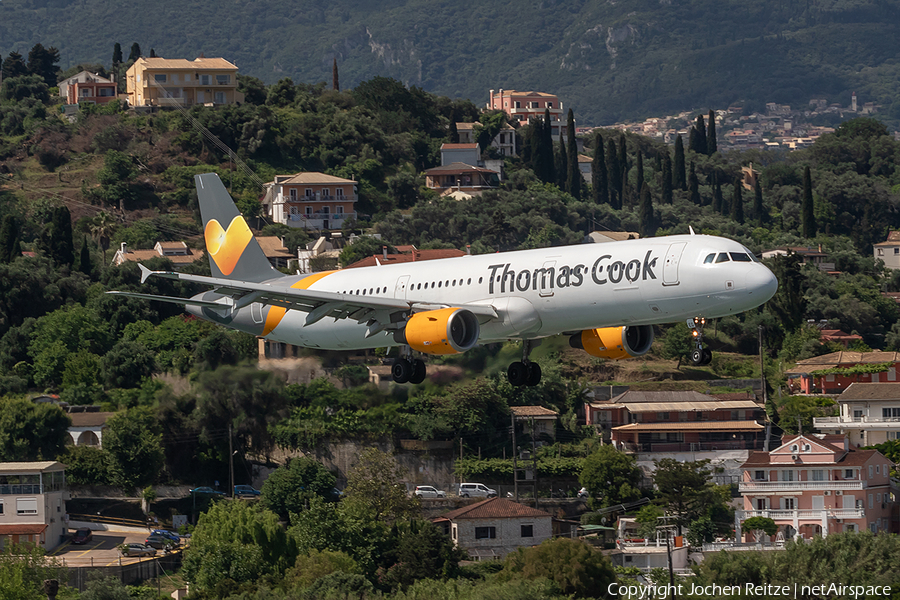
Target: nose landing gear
pixel 699 355
pixel 525 372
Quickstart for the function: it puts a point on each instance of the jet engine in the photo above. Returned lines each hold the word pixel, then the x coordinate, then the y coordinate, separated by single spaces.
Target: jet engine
pixel 614 343
pixel 442 331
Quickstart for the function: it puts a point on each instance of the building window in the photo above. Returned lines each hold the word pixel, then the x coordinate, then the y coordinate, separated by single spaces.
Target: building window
pixel 527 531
pixel 339 192
pixel 759 475
pixel 818 475
pixel 549 105
pixel 787 475
pixel 896 250
pixel 223 79
pixel 881 252
pixel 662 416
pixel 857 414
pixel 219 98
pixel 485 533
pixel 309 210
pixel 28 506
pixel 848 473
pixel 160 77
pixel 788 504
pixel 878 469
pixel 293 195
pixel 339 210
pixel 871 474
pixel 1 507
pixel 761 504
pixel 308 192
pixel 85 93
pixel 326 194
pixel 205 80
pixel 106 92
pixel 890 413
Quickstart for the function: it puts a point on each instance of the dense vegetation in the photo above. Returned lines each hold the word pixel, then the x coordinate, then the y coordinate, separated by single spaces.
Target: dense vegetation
pixel 608 61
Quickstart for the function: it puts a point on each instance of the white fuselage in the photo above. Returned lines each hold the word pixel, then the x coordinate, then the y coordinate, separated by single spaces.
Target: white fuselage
pixel 544 292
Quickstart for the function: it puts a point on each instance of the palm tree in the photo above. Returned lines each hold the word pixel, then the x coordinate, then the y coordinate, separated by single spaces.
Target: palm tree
pixel 102 228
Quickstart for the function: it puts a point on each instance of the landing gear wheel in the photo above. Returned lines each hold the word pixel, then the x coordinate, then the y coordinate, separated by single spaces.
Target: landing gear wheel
pixel 534 374
pixel 401 370
pixel 697 356
pixel 707 356
pixel 517 374
pixel 418 371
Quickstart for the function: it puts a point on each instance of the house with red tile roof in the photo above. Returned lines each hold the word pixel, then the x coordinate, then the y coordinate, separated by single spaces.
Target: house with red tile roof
pixel 889 250
pixel 526 107
pixel 817 485
pixel 491 529
pixel 536 420
pixel 311 200
pixel 413 255
pixel 179 253
pixel 833 373
pixel 460 177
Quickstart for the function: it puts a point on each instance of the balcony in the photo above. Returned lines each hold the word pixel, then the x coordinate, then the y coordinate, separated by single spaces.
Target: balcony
pixel 828 513
pixel 318 197
pixel 859 422
pixel 317 220
pixel 798 486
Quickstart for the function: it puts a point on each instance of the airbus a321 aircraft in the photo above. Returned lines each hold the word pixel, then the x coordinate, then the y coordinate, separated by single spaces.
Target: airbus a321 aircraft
pixel 605 297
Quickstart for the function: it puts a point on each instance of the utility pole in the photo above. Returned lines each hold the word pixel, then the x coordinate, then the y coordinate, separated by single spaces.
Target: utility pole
pixel 534 463
pixel 762 383
pixel 230 463
pixel 512 418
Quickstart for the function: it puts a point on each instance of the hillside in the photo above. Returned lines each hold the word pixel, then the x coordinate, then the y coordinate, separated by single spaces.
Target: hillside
pixel 608 61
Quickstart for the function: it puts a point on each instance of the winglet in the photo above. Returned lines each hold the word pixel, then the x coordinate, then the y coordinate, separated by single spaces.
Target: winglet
pixel 145 272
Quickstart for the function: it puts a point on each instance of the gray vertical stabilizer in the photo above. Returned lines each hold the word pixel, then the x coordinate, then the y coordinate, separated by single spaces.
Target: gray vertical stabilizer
pixel 233 251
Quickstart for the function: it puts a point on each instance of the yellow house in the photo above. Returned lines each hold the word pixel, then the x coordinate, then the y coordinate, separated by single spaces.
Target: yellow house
pixel 182 82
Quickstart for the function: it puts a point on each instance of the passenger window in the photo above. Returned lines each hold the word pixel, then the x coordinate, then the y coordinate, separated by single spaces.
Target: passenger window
pixel 469 282
pixel 479 280
pixel 709 258
pixel 454 283
pixel 723 257
pixel 439 284
pixel 740 257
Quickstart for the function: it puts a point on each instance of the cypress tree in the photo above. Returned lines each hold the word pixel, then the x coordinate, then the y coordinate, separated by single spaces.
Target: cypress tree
pixel 623 155
pixel 612 168
pixel 573 180
pixel 62 248
pixel 599 179
pixel 737 201
pixel 626 189
pixel 152 53
pixel 716 199
pixel 547 147
pixel 9 234
pixel 694 185
pixel 667 179
pixel 711 143
pixel 454 132
pixel 135 52
pixel 117 55
pixel 759 209
pixel 562 164
pixel 639 180
pixel 701 135
pixel 335 83
pixel 807 214
pixel 84 262
pixel 719 198
pixel 648 220
pixel 678 172
pixel 692 139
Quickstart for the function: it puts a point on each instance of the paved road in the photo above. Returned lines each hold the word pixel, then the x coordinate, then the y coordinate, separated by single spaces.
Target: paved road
pixel 101 551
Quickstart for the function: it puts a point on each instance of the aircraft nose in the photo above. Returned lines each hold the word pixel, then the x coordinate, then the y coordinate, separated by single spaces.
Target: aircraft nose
pixel 762 283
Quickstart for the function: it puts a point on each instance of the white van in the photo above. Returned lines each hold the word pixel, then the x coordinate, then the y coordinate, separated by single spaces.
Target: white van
pixel 476 490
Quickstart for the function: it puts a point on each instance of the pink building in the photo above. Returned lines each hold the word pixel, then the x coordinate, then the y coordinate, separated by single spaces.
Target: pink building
pixel 816 485
pixel 526 106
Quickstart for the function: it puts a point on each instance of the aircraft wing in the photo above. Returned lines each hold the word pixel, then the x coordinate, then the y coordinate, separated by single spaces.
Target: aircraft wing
pixel 317 304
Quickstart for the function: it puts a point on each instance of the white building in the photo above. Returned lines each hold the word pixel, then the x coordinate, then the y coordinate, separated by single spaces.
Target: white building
pixel 32 503
pixel 870 414
pixel 493 528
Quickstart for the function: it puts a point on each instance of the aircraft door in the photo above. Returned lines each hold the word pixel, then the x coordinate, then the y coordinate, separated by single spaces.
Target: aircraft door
pixel 670 268
pixel 545 276
pixel 400 288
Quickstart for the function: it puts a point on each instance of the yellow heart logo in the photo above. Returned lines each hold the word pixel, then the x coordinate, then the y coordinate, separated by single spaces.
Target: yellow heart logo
pixel 226 247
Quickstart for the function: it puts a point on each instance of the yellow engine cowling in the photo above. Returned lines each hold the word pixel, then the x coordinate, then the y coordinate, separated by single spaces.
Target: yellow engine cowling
pixel 614 343
pixel 442 331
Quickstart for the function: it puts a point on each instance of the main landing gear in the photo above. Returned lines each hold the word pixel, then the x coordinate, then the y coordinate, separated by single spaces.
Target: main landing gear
pixel 408 370
pixel 525 372
pixel 699 355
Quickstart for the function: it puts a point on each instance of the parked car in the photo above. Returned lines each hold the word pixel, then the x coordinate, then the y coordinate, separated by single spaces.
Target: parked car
pixel 245 490
pixel 427 491
pixel 171 535
pixel 137 549
pixel 205 489
pixel 82 535
pixel 476 490
pixel 160 542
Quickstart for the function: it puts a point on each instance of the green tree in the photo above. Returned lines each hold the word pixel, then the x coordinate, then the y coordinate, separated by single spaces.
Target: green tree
pixel 23 570
pixel 737 201
pixel 684 488
pixel 759 209
pixel 678 343
pixel 135 52
pixel 87 465
pixel 14 66
pixel 561 164
pixel 679 181
pixel 116 176
pixel 31 431
pixel 134 443
pixel 316 564
pixel 611 474
pixel 614 175
pixel 290 487
pixel 639 174
pixel 489 126
pixel 84 257
pixel 43 62
pixel 760 526
pixel 807 211
pixel 667 187
pixel 418 550
pixel 102 228
pixel 546 149
pixel 106 588
pixel 648 220
pixel 9 238
pixel 573 179
pixel 363 247
pixel 374 489
pixel 701 136
pixel 694 185
pixel 127 364
pixel 578 569
pixel 599 176
pixel 61 244
pixel 712 145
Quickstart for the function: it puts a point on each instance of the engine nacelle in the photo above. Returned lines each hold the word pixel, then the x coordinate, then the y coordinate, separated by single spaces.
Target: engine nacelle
pixel 442 331
pixel 614 343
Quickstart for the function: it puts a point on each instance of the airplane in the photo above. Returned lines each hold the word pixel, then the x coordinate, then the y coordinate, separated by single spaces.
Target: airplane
pixel 605 297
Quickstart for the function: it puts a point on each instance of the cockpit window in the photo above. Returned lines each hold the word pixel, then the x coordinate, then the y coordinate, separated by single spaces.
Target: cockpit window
pixel 723 257
pixel 709 258
pixel 740 257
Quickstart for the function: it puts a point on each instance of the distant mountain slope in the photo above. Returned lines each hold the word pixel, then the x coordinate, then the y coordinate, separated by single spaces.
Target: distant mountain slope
pixel 607 60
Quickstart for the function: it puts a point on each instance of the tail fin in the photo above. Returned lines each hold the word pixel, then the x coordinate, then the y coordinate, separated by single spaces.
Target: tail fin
pixel 233 251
